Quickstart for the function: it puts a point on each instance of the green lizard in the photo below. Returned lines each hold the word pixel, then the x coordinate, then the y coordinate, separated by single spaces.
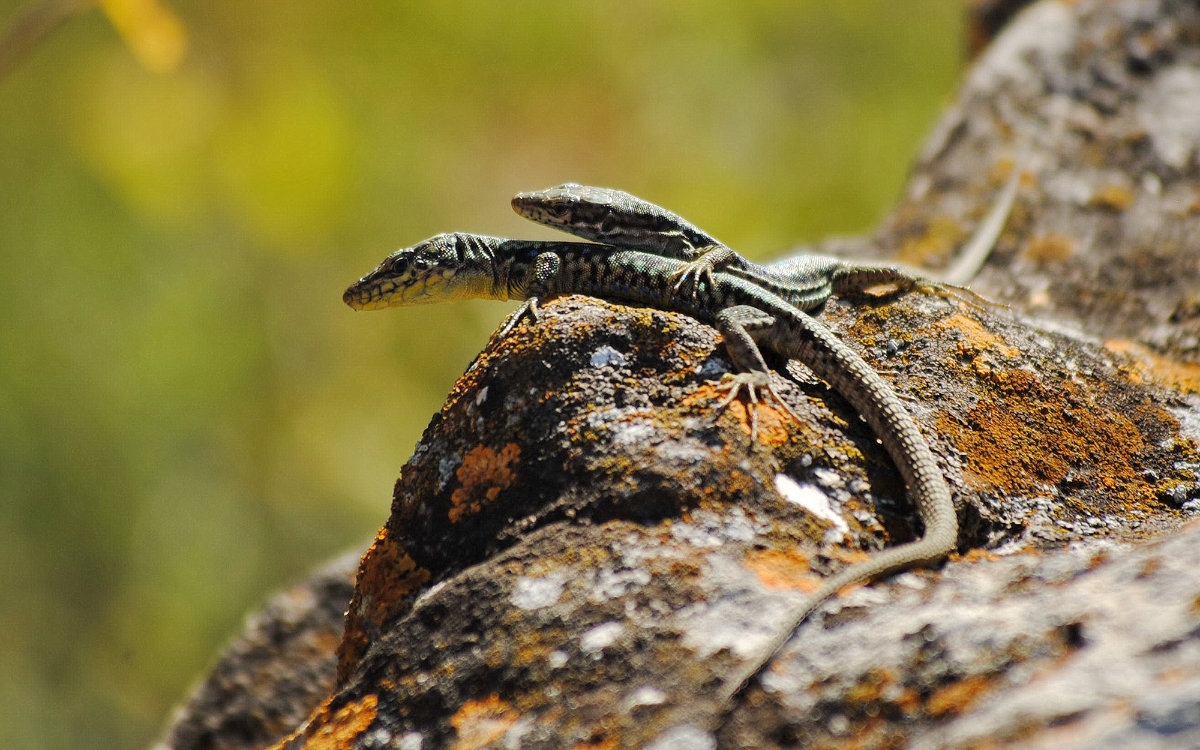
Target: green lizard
pixel 618 218
pixel 456 266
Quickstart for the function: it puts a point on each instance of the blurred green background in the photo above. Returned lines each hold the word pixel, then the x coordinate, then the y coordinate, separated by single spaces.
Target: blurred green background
pixel 189 416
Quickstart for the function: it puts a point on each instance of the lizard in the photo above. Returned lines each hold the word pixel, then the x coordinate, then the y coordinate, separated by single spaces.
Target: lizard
pixel 615 217
pixel 460 265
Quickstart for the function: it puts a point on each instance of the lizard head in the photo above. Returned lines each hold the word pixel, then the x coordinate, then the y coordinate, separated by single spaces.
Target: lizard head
pixel 568 204
pixel 441 268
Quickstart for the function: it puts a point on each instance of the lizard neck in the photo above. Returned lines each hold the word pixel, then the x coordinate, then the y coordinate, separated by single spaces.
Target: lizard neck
pixel 512 263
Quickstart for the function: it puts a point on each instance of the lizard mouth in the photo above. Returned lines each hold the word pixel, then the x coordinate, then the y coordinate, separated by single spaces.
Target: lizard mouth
pixel 376 293
pixel 366 297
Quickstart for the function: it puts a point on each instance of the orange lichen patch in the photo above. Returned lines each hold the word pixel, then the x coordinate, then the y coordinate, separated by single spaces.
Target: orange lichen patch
pixel 1182 376
pixel 388 574
pixel 480 722
pixel 942 235
pixel 976 554
pixel 973 338
pixel 1029 437
pixel 387 580
pixel 605 744
pixel 334 732
pixel 958 697
pixel 783 571
pixel 1150 567
pixel 1112 198
pixel 774 423
pixel 874 687
pixel 847 556
pixel 482 475
pixel 1050 249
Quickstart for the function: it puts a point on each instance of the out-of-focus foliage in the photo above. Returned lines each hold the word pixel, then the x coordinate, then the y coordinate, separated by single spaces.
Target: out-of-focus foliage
pixel 189 416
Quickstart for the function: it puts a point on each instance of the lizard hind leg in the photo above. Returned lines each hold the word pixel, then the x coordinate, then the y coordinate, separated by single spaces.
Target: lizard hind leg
pixel 737 325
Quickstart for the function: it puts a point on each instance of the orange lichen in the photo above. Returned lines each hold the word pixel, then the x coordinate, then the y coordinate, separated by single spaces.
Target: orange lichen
pixel 478 723
pixel 942 235
pixel 976 554
pixel 958 697
pixel 482 475
pixel 333 732
pixel 783 571
pixel 1112 198
pixel 1182 376
pixel 774 423
pixel 389 574
pixel 1050 249
pixel 387 580
pixel 973 338
pixel 874 687
pixel 1025 437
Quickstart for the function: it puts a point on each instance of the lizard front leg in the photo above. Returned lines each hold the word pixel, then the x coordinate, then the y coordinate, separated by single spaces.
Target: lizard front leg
pixel 712 258
pixel 543 272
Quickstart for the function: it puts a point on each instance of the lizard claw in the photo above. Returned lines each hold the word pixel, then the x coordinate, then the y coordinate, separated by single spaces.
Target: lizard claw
pixel 688 278
pixel 752 382
pixel 529 309
pixel 968 297
pixel 710 258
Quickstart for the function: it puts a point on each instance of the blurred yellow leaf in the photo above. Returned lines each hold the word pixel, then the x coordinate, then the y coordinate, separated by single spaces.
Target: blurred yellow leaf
pixel 153 32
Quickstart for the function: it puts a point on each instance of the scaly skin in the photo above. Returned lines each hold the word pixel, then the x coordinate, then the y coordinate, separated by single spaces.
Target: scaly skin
pixel 618 218
pixel 456 266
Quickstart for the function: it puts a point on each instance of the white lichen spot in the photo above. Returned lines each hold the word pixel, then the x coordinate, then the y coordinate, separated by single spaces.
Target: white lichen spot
pixel 612 584
pixel 1170 113
pixel 601 637
pixel 606 356
pixel 410 741
pixel 446 468
pixel 557 659
pixel 694 535
pixel 429 593
pixel 647 695
pixel 829 478
pixel 712 368
pixel 1189 422
pixel 531 592
pixel 811 499
pixel 684 737
pixel 380 738
pixel 625 434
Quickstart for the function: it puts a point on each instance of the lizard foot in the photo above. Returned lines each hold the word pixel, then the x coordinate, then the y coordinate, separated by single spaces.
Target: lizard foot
pixel 711 258
pixel 527 310
pixel 971 299
pixel 752 382
pixel 687 279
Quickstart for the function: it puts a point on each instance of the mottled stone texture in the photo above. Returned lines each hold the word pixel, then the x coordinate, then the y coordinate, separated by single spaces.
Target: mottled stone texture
pixel 583 545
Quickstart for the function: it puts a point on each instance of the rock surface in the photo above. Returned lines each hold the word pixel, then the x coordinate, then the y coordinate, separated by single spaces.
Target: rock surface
pixel 583 544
